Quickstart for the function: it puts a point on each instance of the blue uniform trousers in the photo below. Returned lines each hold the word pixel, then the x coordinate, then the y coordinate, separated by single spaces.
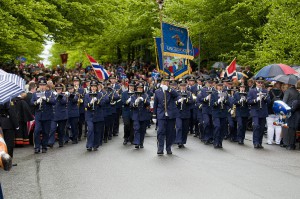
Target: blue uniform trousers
pixel 166 131
pixel 128 129
pixel 232 127
pixel 108 127
pixel 241 128
pixel 44 127
pixel 116 121
pixel 80 124
pixel 95 134
pixel 139 128
pixel 59 127
pixel 219 124
pixel 200 126
pixel 73 121
pixel 258 129
pixel 207 127
pixel 1 194
pixel 182 129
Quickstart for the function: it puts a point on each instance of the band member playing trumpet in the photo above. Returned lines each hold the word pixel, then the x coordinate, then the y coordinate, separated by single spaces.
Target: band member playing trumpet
pixel 60 117
pixel 184 104
pixel 81 92
pixel 204 99
pixel 44 101
pixel 139 103
pixel 242 113
pixel 73 113
pixel 258 98
pixel 90 100
pixel 219 100
pixel 127 114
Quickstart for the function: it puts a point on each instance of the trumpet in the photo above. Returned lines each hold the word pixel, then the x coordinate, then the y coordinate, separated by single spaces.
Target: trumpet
pixel 183 97
pixel 209 92
pixel 243 98
pixel 40 95
pixel 222 97
pixel 93 95
pixel 261 95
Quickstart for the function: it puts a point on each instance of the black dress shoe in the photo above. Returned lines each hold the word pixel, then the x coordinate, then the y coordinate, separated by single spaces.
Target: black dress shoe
pixel 160 152
pixel 207 142
pixel 50 145
pixel 291 147
pixel 256 146
pixel 260 146
pixel 14 164
pixel 61 145
pixel 125 142
pixel 241 142
pixel 137 146
pixel 180 146
pixel 115 135
pixel 44 150
pixel 74 142
pixel 37 151
pixel 109 138
pixel 89 149
pixel 169 152
pixel 141 146
pixel 95 149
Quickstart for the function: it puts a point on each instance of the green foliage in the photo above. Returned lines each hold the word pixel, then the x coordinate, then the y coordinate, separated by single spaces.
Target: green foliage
pixel 256 32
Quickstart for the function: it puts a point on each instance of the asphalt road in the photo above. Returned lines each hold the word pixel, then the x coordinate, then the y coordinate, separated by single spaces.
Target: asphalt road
pixel 117 171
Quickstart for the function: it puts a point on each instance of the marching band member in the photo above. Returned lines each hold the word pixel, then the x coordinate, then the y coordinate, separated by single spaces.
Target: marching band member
pixel 192 87
pixel 204 99
pixel 80 91
pixel 139 102
pixel 127 114
pixel 73 112
pixel 44 101
pixel 242 113
pixel 231 115
pixel 196 113
pixel 258 98
pixel 164 112
pixel 219 100
pixel 118 105
pixel 184 104
pixel 60 116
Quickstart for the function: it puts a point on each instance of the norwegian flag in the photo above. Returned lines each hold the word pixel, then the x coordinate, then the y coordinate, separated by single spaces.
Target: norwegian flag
pixel 99 70
pixel 231 69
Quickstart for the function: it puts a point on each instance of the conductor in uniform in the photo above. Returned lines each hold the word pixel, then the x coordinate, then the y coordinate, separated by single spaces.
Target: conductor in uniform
pixel 165 113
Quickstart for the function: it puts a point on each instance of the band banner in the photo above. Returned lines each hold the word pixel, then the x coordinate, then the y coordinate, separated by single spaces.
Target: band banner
pixel 176 42
pixel 168 65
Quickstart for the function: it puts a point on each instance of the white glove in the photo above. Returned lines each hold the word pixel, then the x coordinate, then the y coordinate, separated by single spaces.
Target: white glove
pixel 142 99
pixel 137 101
pixel 39 100
pixel 95 98
pixel 54 93
pixel 180 100
pixel 129 100
pixel 67 93
pixel 231 112
pixel 92 101
pixel 219 101
pixel 43 98
pixel 154 120
pixel 207 97
pixel 164 87
pixel 258 98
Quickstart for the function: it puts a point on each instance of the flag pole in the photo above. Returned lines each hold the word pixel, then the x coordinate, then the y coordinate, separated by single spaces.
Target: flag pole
pixel 160 5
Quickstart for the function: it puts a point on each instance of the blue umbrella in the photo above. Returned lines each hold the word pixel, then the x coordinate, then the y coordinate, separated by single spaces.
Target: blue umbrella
pixel 11 86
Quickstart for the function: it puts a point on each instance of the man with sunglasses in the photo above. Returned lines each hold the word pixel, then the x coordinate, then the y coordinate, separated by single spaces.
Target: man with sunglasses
pixel 258 99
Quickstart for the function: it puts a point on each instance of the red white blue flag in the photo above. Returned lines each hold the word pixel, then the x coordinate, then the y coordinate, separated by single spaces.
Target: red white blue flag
pixel 231 69
pixel 99 70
